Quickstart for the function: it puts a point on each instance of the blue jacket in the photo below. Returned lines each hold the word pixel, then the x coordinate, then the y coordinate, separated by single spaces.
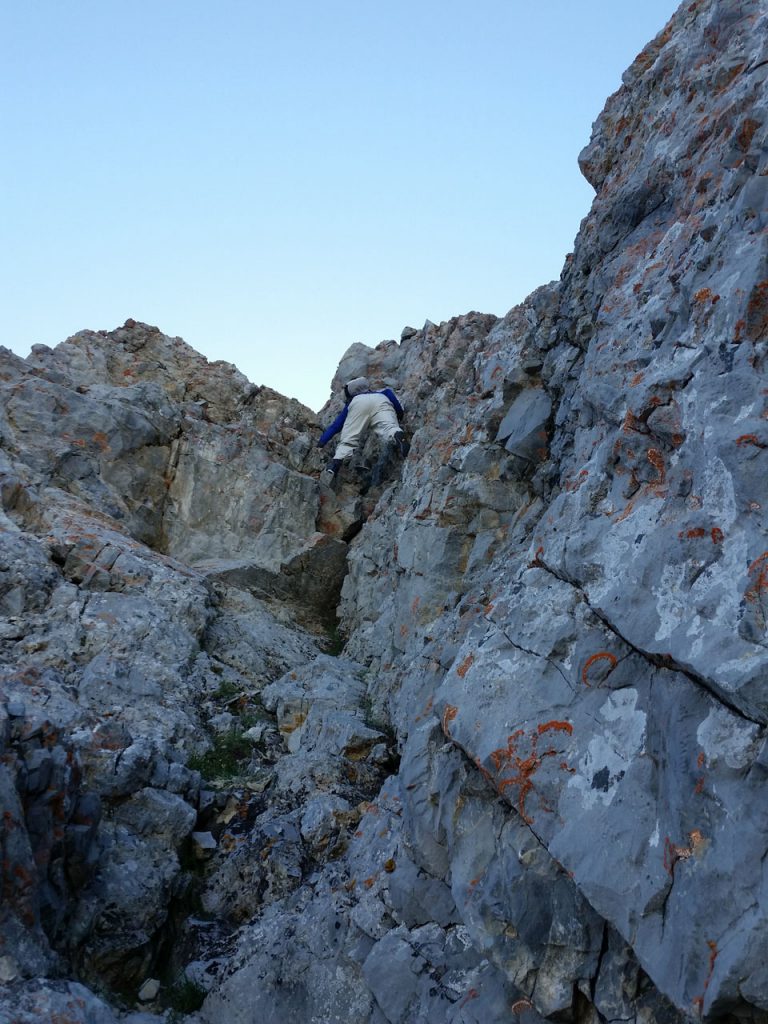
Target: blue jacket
pixel 338 423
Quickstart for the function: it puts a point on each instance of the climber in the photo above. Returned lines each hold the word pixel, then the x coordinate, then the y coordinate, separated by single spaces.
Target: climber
pixel 364 408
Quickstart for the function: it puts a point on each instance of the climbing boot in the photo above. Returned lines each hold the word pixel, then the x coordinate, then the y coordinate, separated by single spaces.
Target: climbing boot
pixel 330 473
pixel 402 444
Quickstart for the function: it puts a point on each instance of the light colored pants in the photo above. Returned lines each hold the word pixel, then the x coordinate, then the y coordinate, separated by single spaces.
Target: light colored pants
pixel 375 411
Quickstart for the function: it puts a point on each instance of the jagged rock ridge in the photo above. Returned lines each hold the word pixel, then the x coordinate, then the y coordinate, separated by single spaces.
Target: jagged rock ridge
pixel 532 785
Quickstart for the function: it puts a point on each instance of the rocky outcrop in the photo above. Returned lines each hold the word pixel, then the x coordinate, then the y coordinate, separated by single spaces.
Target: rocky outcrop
pixel 531 786
pixel 112 649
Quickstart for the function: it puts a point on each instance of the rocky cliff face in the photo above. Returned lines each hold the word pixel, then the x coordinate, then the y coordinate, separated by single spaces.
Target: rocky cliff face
pixel 532 783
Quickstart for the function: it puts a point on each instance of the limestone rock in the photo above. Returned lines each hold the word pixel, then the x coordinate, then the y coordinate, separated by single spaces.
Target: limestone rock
pixel 533 784
pixel 149 990
pixel 523 431
pixel 44 1000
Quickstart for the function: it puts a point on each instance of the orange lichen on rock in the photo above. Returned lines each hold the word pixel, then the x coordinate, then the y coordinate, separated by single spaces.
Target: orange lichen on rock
pixel 713 952
pixel 647 56
pixel 728 77
pixel 757 312
pixel 574 485
pixel 483 770
pixel 673 853
pixel 746 133
pixel 630 423
pixel 471 994
pixel 599 656
pixel 626 512
pixel 536 562
pixel 554 726
pixel 656 459
pixel 465 666
pixel 758 573
pixel 698 1002
pixel 449 714
pixel 515 771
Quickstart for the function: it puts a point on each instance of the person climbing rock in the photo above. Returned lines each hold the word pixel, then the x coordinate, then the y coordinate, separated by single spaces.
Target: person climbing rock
pixel 364 408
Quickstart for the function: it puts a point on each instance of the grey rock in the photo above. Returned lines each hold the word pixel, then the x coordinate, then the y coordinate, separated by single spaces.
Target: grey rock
pixel 222 723
pixel 159 813
pixel 523 431
pixel 149 990
pixel 553 613
pixel 392 971
pixel 321 818
pixel 256 733
pixel 9 969
pixel 44 1000
pixel 204 844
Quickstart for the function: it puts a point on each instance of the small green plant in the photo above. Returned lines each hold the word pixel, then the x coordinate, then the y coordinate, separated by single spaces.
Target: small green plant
pixel 335 642
pixel 227 690
pixel 253 716
pixel 225 757
pixel 185 997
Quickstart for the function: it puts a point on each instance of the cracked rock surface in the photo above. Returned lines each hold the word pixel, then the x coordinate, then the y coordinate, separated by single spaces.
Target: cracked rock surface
pixel 531 786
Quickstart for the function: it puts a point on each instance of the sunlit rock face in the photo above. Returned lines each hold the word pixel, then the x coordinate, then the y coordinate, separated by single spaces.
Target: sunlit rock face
pixel 532 783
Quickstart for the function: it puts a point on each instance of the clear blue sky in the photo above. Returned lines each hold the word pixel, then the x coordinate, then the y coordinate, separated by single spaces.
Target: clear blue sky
pixel 274 181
